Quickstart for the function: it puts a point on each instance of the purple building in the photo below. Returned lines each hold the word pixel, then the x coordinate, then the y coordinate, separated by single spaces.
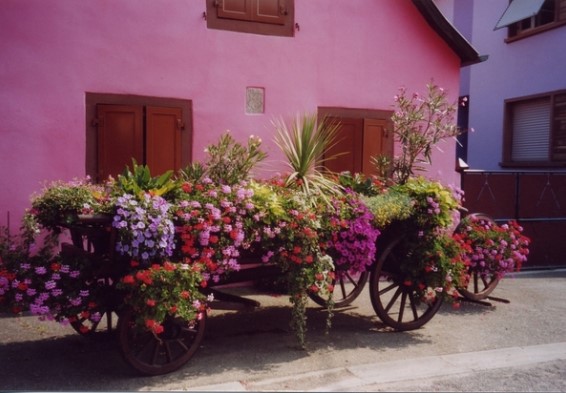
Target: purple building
pixel 516 105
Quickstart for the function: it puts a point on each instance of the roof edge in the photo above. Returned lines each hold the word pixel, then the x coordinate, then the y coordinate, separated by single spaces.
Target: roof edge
pixel 467 53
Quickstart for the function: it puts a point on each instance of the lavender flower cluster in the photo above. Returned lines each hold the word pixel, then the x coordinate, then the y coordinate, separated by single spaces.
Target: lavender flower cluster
pixel 145 229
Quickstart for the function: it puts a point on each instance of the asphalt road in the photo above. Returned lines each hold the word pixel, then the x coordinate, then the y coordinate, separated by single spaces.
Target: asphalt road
pixel 516 346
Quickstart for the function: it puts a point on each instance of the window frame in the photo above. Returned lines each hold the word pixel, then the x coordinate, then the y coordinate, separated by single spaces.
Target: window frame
pixel 509 104
pixel 514 32
pixel 287 29
pixel 91 126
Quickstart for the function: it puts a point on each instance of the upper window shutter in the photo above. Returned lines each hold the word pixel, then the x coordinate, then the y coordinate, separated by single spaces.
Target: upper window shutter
pixel 235 9
pixel 531 130
pixel 518 10
pixel 270 11
pixel 559 137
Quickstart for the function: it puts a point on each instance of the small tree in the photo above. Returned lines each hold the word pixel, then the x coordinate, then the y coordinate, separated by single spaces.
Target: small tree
pixel 419 124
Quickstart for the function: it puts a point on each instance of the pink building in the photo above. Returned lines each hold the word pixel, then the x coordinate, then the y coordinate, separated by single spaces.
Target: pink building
pixel 86 85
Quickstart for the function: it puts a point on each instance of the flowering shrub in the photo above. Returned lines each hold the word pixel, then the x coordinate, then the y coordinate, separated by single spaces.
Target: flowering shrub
pixel 286 232
pixel 145 229
pixel 54 287
pixel 214 224
pixel 491 248
pixel 348 234
pixel 59 203
pixel 437 269
pixel 162 291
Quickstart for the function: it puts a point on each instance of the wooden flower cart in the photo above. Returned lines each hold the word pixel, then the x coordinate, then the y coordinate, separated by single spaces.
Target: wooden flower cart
pixel 396 304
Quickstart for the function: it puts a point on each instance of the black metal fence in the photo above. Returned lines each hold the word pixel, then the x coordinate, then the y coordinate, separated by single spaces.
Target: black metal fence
pixel 537 200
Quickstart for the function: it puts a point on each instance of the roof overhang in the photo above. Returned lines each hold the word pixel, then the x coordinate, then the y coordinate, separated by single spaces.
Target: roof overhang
pixel 467 53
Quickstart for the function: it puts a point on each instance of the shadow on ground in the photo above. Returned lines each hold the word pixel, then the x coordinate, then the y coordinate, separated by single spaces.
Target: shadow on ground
pixel 244 341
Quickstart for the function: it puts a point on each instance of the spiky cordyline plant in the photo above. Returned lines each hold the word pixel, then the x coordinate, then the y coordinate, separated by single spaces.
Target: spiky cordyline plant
pixel 304 143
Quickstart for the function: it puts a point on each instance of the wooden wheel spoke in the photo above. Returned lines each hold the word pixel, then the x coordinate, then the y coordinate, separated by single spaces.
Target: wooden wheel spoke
pixel 155 354
pixel 414 301
pixel 387 289
pixel 485 282
pixel 168 351
pixel 393 300
pixel 182 344
pixel 402 307
pixel 343 288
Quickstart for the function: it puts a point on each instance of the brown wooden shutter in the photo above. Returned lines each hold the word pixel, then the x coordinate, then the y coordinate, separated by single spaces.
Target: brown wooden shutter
pixel 120 138
pixel 163 139
pixel 235 9
pixel 270 11
pixel 264 11
pixel 348 146
pixel 374 143
pixel 559 128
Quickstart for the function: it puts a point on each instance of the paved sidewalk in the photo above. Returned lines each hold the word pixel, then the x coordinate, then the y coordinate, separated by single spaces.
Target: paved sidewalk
pixel 251 351
pixel 355 378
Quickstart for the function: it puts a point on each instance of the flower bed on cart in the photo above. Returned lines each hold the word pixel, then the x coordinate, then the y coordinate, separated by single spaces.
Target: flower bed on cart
pixel 174 235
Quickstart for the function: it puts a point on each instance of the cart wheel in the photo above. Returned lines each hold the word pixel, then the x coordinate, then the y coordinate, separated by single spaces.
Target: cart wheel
pixel 397 305
pixel 347 288
pixel 480 285
pixel 157 354
pixel 87 327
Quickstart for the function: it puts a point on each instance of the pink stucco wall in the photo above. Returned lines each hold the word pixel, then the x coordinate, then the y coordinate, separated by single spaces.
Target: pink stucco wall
pixel 352 54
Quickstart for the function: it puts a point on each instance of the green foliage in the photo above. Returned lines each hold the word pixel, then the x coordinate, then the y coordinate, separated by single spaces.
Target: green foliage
pixel 419 124
pixel 230 162
pixel 434 205
pixel 60 203
pixel 194 172
pixel 162 291
pixel 139 181
pixel 388 207
pixel 360 183
pixel 304 142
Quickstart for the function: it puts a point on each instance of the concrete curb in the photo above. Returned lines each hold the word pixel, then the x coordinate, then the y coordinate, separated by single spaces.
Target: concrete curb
pixel 353 377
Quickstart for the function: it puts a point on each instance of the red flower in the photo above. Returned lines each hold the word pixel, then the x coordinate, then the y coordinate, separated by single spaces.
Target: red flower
pixel 85 314
pixel 154 326
pixel 168 266
pixel 129 279
pixel 150 302
pixel 84 329
pixel 55 266
pixel 187 187
pixel 22 286
pixel 145 277
pixel 134 263
pixel 185 294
